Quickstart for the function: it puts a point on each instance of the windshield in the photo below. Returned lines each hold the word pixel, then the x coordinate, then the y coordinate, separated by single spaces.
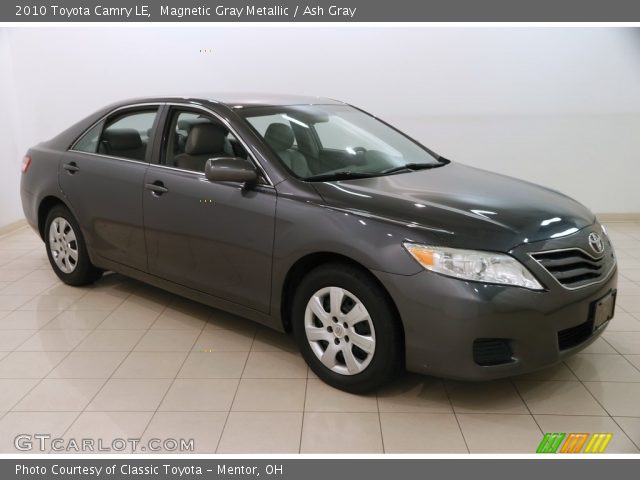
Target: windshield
pixel 323 142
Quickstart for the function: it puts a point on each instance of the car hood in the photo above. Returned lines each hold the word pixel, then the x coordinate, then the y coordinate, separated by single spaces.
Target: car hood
pixel 462 206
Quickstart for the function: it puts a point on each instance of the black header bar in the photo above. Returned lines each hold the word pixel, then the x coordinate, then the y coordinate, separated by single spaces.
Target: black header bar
pixel 320 11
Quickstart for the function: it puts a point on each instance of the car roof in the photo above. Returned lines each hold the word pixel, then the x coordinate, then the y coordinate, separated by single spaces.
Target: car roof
pixel 242 100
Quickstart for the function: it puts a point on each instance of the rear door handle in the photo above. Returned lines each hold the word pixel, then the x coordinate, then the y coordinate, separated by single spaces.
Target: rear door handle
pixel 157 188
pixel 71 167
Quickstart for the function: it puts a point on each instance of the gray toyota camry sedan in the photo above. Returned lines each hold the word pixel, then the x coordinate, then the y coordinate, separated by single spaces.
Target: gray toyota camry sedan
pixel 312 216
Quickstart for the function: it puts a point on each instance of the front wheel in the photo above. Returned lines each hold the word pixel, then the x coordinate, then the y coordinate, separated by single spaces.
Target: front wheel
pixel 346 328
pixel 67 250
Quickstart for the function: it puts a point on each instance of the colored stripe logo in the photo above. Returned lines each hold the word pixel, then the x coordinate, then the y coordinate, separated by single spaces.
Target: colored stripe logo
pixel 574 442
pixel 550 442
pixel 598 442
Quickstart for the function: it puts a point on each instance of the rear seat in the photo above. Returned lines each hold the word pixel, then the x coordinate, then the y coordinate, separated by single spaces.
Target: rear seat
pixel 122 142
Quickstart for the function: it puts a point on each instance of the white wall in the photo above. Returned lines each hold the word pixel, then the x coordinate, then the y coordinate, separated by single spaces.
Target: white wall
pixel 10 157
pixel 558 106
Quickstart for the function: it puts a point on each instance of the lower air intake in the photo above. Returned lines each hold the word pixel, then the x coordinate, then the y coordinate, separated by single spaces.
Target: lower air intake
pixel 574 336
pixel 492 351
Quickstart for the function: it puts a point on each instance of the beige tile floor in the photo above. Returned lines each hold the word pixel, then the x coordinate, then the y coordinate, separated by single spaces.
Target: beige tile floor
pixel 122 359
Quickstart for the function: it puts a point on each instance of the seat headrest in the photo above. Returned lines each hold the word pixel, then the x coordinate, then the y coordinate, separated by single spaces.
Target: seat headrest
pixel 279 136
pixel 122 138
pixel 186 124
pixel 205 138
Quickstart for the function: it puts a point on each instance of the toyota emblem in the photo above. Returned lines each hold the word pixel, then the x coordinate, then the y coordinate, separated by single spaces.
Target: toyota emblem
pixel 596 243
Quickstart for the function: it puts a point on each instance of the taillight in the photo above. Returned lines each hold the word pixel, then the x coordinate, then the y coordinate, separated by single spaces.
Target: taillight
pixel 26 163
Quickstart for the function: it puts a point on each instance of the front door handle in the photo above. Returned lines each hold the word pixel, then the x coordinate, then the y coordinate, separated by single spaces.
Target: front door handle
pixel 71 167
pixel 156 188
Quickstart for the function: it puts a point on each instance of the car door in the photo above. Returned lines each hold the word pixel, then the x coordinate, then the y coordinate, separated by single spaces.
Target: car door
pixel 102 178
pixel 214 237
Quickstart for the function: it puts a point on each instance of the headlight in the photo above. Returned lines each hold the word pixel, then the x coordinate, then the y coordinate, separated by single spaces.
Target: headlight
pixel 486 267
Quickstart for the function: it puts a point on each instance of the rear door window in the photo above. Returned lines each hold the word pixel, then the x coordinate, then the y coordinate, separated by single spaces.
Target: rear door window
pixel 124 135
pixel 128 135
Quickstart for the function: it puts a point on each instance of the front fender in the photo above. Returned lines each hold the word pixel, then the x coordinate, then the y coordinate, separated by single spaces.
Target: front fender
pixel 310 227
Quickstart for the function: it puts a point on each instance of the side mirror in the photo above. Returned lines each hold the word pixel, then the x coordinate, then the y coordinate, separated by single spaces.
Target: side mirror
pixel 230 169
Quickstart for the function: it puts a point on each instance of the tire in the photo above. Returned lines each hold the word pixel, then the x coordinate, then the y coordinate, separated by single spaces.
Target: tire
pixel 66 249
pixel 357 350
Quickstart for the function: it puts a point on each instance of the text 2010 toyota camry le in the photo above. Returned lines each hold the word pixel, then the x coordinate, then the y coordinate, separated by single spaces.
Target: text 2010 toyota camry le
pixel 312 216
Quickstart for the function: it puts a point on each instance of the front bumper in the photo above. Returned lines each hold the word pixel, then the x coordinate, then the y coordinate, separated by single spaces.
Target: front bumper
pixel 442 317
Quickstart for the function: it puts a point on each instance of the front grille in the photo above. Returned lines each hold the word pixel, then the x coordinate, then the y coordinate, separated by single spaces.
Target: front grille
pixel 491 351
pixel 574 336
pixel 573 267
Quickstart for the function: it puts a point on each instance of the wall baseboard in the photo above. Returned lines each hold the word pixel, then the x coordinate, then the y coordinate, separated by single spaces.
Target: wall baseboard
pixel 619 217
pixel 12 227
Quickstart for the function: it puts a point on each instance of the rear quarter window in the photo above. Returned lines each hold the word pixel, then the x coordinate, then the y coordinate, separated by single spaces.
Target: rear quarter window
pixel 88 143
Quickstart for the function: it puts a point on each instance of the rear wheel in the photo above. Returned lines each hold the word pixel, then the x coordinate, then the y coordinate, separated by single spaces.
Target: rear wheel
pixel 67 250
pixel 346 328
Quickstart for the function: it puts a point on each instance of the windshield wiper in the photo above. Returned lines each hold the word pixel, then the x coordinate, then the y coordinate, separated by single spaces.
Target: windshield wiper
pixel 411 167
pixel 341 175
pixel 350 175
